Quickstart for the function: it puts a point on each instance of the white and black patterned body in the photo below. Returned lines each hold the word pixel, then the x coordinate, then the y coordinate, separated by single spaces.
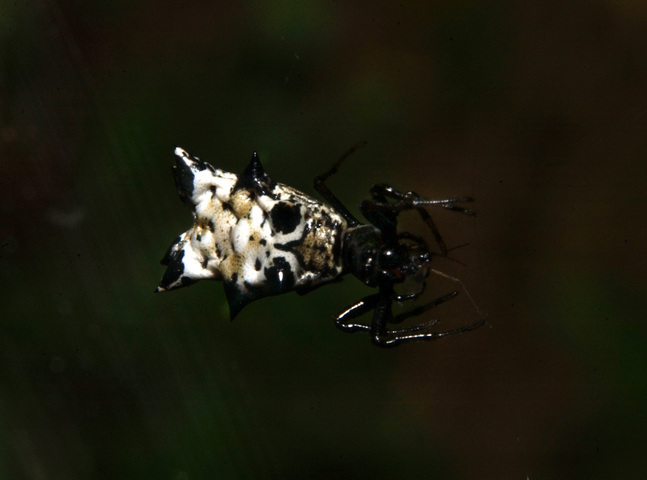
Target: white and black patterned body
pixel 258 236
pixel 263 238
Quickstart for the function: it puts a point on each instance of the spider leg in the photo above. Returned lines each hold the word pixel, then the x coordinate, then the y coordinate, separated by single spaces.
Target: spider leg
pixel 383 315
pixel 434 303
pixel 366 304
pixel 432 226
pixel 324 191
pixel 412 334
pixel 423 308
pixel 383 213
pixel 383 337
pixel 381 192
pixel 410 296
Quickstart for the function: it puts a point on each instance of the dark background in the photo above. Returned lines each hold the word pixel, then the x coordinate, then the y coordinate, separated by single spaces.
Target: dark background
pixel 537 109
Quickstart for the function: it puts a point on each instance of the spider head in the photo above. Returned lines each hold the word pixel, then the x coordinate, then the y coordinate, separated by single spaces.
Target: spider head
pixel 375 262
pixel 403 261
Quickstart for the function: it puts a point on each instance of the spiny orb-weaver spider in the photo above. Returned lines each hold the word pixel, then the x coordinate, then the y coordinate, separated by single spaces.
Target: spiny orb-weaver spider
pixel 263 238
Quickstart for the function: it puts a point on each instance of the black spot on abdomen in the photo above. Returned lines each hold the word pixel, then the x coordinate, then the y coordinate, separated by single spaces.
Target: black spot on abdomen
pixel 280 275
pixel 285 217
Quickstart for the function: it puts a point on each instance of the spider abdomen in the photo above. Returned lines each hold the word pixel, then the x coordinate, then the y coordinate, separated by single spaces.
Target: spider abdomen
pixel 259 237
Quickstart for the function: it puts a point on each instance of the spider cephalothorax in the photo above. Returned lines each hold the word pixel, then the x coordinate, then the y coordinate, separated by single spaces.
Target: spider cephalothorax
pixel 263 238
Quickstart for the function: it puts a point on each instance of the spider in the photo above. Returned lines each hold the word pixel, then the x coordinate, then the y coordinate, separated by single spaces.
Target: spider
pixel 264 238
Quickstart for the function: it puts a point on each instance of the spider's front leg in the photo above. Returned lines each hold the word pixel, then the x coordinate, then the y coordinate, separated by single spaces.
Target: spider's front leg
pixel 409 200
pixel 383 213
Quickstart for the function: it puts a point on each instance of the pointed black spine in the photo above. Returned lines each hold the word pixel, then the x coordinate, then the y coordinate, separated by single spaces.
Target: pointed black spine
pixel 255 179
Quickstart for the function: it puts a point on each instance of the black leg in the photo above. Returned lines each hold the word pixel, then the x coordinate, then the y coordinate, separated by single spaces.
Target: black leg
pixel 383 337
pixel 380 334
pixel 383 214
pixel 410 296
pixel 324 191
pixel 343 320
pixel 421 332
pixel 432 226
pixel 383 315
pixel 382 191
pixel 423 308
pixel 413 334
